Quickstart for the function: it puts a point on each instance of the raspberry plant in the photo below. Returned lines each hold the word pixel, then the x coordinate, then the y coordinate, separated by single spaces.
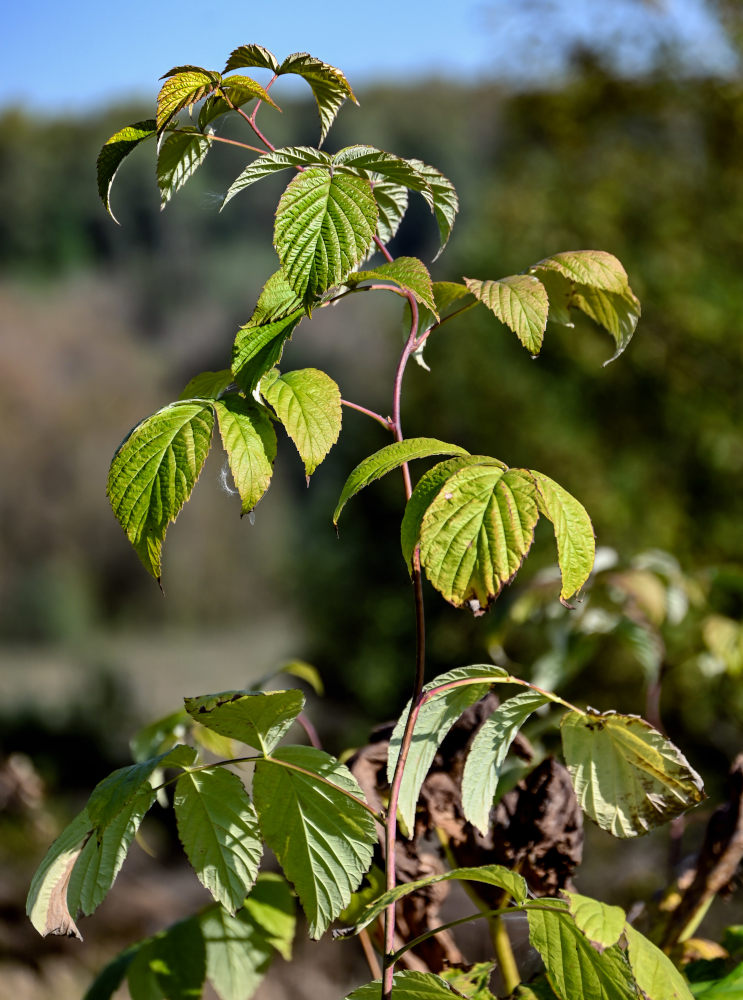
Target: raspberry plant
pixel 468 523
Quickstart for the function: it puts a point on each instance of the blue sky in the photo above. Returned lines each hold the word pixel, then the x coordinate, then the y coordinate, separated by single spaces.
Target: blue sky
pixel 63 57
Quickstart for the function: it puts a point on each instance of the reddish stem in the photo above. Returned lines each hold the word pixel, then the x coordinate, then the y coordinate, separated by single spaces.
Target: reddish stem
pixel 384 421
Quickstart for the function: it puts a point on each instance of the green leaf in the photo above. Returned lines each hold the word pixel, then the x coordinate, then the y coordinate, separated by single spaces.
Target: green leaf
pixel 227 99
pixel 728 988
pixel 476 533
pixel 182 89
pixel 177 960
pixel 596 283
pixel 46 905
pixel 437 715
pixel 388 458
pixel 208 385
pixel 114 151
pixel 602 924
pixel 271 905
pixel 308 404
pixel 574 968
pixel 407 986
pixel 520 301
pixel 323 839
pixel 179 157
pixel 238 954
pixel 270 163
pixel 472 982
pixel 429 485
pixel 328 84
pixel 103 855
pixel 258 718
pixel 250 442
pixel 442 200
pixel 496 875
pixel 305 672
pixel 324 227
pixel 408 273
pixel 218 828
pixel 628 778
pixel 488 753
pixel 112 975
pixel 251 55
pixel 657 976
pixel 260 343
pixel 118 789
pixel 140 978
pixel 242 85
pixel 153 472
pixel 576 545
pixel 392 204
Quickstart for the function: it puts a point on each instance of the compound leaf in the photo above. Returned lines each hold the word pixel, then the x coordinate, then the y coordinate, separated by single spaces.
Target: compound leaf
pixel 323 839
pixel 476 533
pixel 112 153
pixel 496 875
pixel 574 967
pixel 183 87
pixel 520 301
pixel 180 156
pixel 246 56
pixel 655 973
pixel 308 404
pixel 408 273
pixel 250 442
pixel 438 713
pixel 488 753
pixel 272 162
pixel 324 227
pixel 328 84
pixel 218 828
pixel 154 471
pixel 576 544
pixel 628 778
pixel 387 165
pixel 258 718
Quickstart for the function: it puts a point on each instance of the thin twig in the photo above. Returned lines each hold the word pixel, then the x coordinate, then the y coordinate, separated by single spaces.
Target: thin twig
pixel 384 421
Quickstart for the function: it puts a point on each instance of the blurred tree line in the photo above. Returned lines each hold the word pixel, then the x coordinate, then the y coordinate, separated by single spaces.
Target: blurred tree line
pixel 103 324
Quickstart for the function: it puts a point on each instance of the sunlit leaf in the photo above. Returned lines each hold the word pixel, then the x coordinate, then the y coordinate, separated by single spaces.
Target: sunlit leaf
pixel 602 924
pixel 182 89
pixel 488 753
pixel 497 875
pixel 251 55
pixel 520 301
pixel 175 959
pixel 657 976
pixel 386 459
pixel 462 688
pixel 392 203
pixel 218 828
pixel 274 161
pixel 476 533
pixel 154 471
pixel 427 488
pixel 387 165
pixel 407 273
pixel 308 404
pixel 238 954
pixel 114 151
pixel 271 906
pixel 250 442
pixel 442 200
pixel 208 385
pixel 258 718
pixel 179 157
pixel 574 967
pixel 323 839
pixel 628 778
pixel 328 84
pixel 259 344
pixel 576 544
pixel 324 226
